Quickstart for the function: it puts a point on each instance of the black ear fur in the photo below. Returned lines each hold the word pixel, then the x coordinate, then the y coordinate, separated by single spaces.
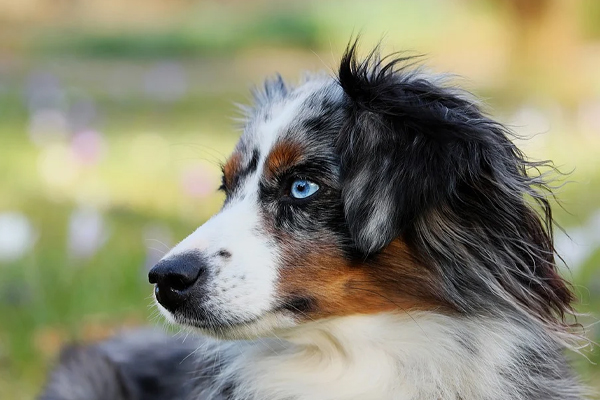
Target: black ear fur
pixel 421 161
pixel 406 147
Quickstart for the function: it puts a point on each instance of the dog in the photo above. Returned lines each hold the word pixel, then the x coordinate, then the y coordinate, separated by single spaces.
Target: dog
pixel 381 238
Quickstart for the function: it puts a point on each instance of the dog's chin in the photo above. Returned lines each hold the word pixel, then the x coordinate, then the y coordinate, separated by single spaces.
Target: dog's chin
pixel 243 329
pixel 264 326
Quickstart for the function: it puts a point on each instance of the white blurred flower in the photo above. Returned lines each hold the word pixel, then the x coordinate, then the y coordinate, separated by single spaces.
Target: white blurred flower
pixel 57 166
pixel 47 126
pixel 17 236
pixel 87 232
pixel 573 247
pixel 580 243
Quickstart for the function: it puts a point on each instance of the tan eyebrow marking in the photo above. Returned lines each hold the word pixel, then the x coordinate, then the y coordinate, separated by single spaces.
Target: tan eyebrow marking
pixel 231 167
pixel 284 154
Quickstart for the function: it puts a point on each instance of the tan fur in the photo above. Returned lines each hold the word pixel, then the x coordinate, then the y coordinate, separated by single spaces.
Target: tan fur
pixel 283 155
pixel 338 286
pixel 231 168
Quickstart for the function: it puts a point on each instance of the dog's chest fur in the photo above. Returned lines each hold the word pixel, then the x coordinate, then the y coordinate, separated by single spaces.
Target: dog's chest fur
pixel 400 357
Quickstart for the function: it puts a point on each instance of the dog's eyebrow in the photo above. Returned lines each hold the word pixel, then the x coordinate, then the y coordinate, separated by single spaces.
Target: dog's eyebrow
pixel 233 171
pixel 231 167
pixel 285 153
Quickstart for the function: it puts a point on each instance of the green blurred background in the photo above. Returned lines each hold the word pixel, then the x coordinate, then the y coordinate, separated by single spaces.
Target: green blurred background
pixel 115 115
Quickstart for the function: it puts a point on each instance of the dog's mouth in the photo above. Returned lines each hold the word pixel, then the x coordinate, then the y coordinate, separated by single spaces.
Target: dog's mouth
pixel 216 325
pixel 220 327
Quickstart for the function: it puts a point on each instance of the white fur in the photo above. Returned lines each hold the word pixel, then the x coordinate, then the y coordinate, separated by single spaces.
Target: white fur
pixel 376 357
pixel 242 287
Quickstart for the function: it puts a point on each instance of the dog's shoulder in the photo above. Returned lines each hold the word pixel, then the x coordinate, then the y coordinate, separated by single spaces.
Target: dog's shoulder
pixel 139 364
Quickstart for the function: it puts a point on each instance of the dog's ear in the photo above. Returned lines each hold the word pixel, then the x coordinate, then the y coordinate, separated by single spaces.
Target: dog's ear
pixel 406 146
pixel 421 161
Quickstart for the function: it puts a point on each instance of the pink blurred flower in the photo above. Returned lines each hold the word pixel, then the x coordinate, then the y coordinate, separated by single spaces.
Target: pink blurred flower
pixel 199 181
pixel 88 146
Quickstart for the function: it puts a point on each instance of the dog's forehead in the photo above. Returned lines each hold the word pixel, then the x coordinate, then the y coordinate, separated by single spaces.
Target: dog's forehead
pixel 284 115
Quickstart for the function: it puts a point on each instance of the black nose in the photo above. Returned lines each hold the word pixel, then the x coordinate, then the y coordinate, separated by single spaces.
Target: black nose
pixel 175 276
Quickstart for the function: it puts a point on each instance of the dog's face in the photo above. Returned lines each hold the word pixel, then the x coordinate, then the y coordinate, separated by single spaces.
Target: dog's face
pixel 377 190
pixel 280 252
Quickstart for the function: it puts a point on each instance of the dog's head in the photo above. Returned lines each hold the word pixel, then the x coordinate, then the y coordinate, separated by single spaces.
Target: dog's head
pixel 374 191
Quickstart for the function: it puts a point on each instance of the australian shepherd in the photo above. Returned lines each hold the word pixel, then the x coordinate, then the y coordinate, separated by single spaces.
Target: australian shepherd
pixel 381 238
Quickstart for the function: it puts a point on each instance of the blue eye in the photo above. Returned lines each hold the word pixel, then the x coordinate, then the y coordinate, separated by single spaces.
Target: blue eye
pixel 301 189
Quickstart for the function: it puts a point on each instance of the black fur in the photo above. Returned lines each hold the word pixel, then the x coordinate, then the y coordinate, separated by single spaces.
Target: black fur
pixel 452 184
pixel 138 365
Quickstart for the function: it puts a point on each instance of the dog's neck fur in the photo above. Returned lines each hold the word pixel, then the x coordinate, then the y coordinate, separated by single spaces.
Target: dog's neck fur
pixel 390 356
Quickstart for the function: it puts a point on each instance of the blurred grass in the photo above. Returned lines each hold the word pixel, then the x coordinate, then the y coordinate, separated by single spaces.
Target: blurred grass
pixel 150 143
pixel 48 297
pixel 211 38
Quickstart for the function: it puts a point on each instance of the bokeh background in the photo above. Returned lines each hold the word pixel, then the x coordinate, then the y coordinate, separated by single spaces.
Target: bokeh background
pixel 115 115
